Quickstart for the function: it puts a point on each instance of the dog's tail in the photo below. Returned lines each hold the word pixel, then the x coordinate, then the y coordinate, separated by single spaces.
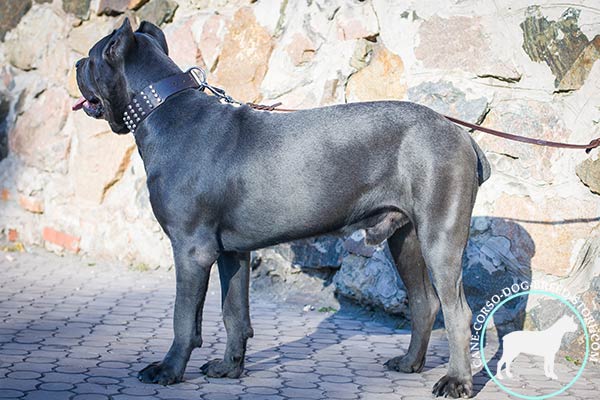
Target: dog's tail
pixel 483 166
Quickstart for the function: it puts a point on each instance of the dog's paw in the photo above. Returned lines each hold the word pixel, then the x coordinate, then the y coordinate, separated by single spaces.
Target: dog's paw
pixel 453 387
pixel 160 373
pixel 218 368
pixel 405 364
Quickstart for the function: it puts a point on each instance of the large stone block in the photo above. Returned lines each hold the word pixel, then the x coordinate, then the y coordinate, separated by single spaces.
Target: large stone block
pixel 589 173
pixel 23 49
pixel 372 281
pixel 99 162
pixel 38 137
pixel 209 37
pixel 556 231
pixel 136 4
pixel 460 43
pixel 447 99
pixel 301 49
pixel 110 7
pixel 531 118
pixel 356 20
pixel 382 79
pixel 498 255
pixel 12 12
pixel 575 77
pixel 158 12
pixel 561 45
pixel 321 252
pixel 80 8
pixel 243 61
pixel 182 47
pixel 82 38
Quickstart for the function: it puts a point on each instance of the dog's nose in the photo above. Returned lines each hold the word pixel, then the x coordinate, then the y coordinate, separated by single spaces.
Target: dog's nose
pixel 79 62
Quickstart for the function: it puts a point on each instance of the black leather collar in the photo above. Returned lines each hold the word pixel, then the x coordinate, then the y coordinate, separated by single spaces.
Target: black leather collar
pixel 152 96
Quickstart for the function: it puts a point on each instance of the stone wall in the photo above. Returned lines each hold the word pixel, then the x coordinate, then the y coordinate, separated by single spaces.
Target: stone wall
pixel 69 184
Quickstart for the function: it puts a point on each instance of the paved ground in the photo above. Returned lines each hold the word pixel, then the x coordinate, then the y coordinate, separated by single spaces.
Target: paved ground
pixel 70 330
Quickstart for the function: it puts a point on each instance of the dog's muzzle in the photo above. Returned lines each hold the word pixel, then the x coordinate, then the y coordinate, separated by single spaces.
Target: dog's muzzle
pixel 92 107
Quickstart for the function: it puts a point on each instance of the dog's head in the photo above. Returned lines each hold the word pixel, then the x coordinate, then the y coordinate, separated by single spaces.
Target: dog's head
pixel 105 77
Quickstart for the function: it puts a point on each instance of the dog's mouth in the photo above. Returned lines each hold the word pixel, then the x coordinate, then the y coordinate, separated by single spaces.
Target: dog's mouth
pixel 92 107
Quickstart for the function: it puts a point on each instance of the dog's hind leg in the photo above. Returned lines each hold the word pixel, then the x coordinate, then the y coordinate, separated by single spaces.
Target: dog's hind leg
pixel 234 272
pixel 443 258
pixel 192 269
pixel 442 218
pixel 422 300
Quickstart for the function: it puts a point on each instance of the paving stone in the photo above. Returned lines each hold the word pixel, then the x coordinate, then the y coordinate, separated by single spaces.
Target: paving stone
pixel 10 394
pixel 377 388
pixel 91 397
pixel 302 393
pixel 19 384
pixel 63 377
pixel 56 386
pixel 265 391
pixel 299 383
pixel 46 395
pixel 138 390
pixel 336 378
pixel 335 394
pixel 70 369
pixel 24 375
pixel 33 367
pixel 102 380
pixel 251 396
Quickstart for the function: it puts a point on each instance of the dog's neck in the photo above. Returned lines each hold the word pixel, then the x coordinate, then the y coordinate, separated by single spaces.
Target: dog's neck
pixel 151 97
pixel 141 71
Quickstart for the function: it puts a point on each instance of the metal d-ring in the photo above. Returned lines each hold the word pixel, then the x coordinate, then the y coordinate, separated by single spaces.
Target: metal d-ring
pixel 199 76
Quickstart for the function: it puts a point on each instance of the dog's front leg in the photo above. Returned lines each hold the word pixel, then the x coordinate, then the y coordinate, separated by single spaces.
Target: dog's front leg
pixel 192 268
pixel 234 272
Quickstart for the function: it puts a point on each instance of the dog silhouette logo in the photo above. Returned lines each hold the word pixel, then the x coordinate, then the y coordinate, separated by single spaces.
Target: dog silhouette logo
pixel 540 343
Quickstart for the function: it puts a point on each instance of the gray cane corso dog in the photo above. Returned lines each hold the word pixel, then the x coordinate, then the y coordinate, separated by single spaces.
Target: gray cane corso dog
pixel 226 180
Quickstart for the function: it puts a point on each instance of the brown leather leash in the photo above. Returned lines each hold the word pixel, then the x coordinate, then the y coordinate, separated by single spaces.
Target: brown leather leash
pixel 540 142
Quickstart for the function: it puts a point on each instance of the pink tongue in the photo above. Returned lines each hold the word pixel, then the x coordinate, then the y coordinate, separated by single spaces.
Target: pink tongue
pixel 79 104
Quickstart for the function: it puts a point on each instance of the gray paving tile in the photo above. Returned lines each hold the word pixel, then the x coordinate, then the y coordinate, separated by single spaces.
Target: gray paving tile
pixel 10 394
pixel 47 395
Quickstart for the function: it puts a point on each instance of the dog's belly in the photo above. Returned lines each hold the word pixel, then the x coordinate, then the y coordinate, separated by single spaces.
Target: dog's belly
pixel 257 230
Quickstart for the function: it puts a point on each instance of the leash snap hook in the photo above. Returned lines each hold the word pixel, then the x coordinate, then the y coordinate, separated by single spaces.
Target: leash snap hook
pixel 199 76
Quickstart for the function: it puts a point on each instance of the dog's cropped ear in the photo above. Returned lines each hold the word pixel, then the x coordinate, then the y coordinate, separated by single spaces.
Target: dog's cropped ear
pixel 156 33
pixel 119 43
